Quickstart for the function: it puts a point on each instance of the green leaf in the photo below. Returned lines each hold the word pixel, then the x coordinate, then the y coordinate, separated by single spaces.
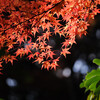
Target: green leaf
pixel 82 85
pixel 92 87
pixel 90 96
pixel 87 89
pixel 96 61
pixel 97 91
pixel 91 80
pixel 93 73
pixel 99 96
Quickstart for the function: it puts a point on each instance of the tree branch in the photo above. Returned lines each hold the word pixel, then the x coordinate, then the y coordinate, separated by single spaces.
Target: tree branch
pixel 32 17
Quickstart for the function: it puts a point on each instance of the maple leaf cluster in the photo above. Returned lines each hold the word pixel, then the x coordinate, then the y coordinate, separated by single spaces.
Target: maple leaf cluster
pixel 21 21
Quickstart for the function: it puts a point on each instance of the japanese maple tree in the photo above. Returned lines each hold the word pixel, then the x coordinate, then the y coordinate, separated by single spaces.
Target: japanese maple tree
pixel 22 20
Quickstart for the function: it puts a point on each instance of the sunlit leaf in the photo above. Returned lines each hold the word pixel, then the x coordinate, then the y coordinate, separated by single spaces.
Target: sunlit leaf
pixel 96 61
pixel 90 96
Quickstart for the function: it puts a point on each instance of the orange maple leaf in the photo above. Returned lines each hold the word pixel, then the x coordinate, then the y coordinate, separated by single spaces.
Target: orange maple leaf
pixel 65 51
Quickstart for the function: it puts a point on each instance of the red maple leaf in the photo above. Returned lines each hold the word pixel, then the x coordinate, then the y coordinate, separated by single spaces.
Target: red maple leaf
pixel 65 51
pixel 35 22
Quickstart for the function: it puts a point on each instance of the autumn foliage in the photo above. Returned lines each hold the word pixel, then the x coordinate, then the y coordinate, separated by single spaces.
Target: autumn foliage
pixel 22 20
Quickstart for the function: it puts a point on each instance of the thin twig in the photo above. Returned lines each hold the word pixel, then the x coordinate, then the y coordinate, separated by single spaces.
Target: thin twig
pixel 32 17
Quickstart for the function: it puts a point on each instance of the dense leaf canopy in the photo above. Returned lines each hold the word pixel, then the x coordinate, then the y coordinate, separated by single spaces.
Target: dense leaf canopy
pixel 22 20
